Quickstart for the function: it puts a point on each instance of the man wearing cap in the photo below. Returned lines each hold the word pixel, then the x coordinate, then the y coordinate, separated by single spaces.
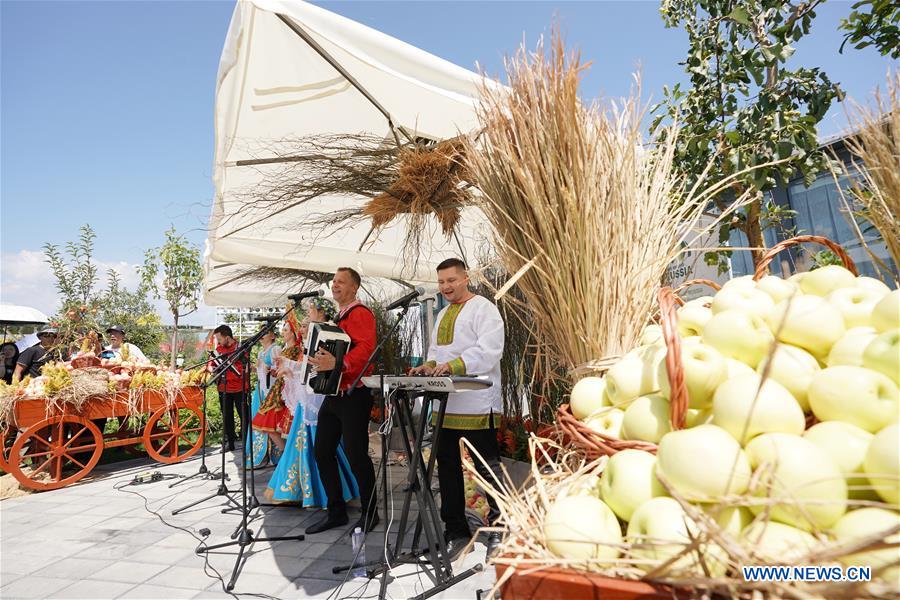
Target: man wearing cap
pixel 117 342
pixel 32 359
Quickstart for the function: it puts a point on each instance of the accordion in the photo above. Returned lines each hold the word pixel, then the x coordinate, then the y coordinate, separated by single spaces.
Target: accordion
pixel 332 339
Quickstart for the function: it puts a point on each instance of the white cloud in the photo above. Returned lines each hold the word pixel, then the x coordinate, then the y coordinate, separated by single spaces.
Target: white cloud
pixel 26 279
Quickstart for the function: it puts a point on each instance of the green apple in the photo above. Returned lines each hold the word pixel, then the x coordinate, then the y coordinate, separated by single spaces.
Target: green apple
pixel 588 396
pixel 883 355
pixel 704 369
pixel 747 406
pixel 803 486
pixel 739 335
pixel 736 367
pixel 744 281
pixel 826 279
pixel 582 527
pixel 703 463
pixel 777 288
pixel 697 416
pixel 855 304
pixel 628 481
pixel 647 419
pixel 886 314
pixel 692 318
pixel 876 285
pixel 846 444
pixel 732 519
pixel 809 322
pixel 793 368
pixel 796 278
pixel 854 395
pixel 651 335
pixel 848 350
pixel 659 530
pixel 882 464
pixel 746 298
pixel 634 375
pixel 607 422
pixel 776 542
pixel 858 525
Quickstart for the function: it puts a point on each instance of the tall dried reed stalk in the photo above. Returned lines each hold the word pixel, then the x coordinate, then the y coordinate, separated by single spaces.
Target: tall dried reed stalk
pixel 877 143
pixel 583 213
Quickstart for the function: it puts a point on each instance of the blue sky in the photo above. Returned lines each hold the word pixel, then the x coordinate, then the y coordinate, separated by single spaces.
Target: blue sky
pixel 106 107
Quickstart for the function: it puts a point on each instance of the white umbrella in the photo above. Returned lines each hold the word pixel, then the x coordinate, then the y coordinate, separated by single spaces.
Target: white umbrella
pixel 13 314
pixel 291 70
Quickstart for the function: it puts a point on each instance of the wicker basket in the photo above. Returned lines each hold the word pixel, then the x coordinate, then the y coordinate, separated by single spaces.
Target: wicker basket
pixel 85 362
pixel 596 444
pixel 763 267
pixel 707 282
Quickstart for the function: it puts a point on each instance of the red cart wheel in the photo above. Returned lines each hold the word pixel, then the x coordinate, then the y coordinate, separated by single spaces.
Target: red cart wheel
pixel 7 436
pixel 58 451
pixel 173 433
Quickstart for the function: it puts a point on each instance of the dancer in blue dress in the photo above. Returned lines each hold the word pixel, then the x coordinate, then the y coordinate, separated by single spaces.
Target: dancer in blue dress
pixel 263 449
pixel 297 478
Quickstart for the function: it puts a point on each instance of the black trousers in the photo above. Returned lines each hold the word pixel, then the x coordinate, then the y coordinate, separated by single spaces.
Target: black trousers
pixel 229 402
pixel 346 417
pixel 450 476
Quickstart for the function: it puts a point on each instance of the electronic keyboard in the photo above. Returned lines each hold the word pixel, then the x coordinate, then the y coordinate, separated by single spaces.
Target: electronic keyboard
pixel 425 383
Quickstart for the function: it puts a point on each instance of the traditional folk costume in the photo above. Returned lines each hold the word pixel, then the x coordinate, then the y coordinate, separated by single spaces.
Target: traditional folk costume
pixel 297 477
pixel 274 415
pixel 263 448
pixel 468 337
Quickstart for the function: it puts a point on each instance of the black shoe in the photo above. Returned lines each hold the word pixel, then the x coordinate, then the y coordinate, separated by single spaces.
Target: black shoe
pixel 457 547
pixel 373 521
pixel 327 522
pixel 493 541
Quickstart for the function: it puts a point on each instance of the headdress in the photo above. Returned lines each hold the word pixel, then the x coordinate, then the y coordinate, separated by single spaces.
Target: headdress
pixel 326 306
pixel 292 320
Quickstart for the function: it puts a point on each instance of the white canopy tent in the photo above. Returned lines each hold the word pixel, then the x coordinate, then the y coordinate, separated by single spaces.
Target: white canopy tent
pixel 290 70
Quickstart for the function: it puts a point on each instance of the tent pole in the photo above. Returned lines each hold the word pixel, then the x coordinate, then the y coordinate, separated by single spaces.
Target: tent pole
pixel 337 66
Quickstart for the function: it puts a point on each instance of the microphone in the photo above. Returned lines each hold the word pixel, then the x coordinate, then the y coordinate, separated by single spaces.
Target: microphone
pixel 302 295
pixel 403 301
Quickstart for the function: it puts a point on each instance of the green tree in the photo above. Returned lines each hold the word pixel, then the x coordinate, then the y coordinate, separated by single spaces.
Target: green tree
pixel 874 23
pixel 744 109
pixel 85 307
pixel 178 262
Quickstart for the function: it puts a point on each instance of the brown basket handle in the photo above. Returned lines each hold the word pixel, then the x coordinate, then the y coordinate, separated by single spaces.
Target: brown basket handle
pixel 685 285
pixel 763 266
pixel 668 320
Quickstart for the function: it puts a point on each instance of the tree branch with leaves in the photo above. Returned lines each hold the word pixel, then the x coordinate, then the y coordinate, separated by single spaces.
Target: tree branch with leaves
pixel 744 108
pixel 173 272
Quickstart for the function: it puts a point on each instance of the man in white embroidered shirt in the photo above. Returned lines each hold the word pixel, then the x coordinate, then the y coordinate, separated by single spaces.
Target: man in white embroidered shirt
pixel 467 340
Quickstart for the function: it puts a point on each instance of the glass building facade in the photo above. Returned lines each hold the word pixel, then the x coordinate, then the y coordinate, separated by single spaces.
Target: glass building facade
pixel 820 210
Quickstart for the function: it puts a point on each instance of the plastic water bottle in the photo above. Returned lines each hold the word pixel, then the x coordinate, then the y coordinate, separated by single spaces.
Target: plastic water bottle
pixel 359 552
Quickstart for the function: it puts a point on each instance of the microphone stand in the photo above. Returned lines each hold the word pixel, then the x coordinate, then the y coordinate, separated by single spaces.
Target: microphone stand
pixel 243 536
pixel 203 471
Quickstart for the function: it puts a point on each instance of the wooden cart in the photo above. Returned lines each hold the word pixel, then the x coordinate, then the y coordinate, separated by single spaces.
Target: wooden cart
pixel 57 449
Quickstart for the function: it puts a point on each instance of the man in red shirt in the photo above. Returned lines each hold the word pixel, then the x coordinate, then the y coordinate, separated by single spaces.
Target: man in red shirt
pixel 231 384
pixel 347 414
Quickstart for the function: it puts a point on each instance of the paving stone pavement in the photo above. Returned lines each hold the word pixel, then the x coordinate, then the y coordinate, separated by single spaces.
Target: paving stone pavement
pixel 100 539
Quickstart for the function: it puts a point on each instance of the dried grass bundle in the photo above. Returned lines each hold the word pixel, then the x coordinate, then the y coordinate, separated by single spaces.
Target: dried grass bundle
pixel 430 182
pixel 557 471
pixel 877 143
pixel 584 216
pixel 417 180
pixel 86 384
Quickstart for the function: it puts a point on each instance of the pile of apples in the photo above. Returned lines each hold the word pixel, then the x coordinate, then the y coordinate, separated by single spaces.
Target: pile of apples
pixel 761 360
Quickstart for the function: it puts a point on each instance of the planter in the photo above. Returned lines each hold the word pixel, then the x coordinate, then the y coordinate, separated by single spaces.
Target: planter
pixel 567 584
